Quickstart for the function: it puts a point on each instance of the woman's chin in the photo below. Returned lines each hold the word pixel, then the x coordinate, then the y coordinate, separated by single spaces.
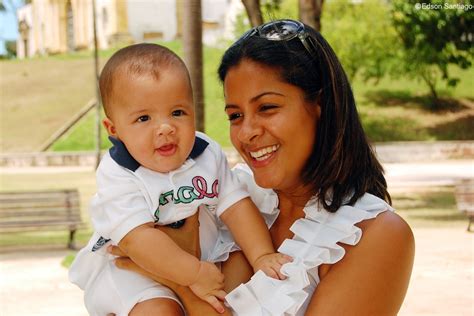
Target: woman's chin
pixel 265 181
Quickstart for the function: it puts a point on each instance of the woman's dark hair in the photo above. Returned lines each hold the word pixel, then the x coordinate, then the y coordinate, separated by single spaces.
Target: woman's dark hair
pixel 342 164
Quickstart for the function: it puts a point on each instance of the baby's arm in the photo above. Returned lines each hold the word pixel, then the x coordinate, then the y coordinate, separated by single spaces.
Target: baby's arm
pixel 158 254
pixel 252 235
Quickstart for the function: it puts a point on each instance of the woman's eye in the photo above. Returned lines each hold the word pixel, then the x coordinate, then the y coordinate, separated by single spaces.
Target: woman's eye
pixel 234 116
pixel 267 107
pixel 143 118
pixel 178 113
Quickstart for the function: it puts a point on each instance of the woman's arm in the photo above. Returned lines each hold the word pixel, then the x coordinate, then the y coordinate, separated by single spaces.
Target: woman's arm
pixel 373 276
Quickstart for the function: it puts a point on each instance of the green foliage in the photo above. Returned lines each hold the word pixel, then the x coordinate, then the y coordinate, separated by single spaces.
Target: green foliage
pixel 434 35
pixel 362 36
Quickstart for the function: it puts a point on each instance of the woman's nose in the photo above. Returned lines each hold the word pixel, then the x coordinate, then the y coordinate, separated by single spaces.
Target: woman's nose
pixel 249 130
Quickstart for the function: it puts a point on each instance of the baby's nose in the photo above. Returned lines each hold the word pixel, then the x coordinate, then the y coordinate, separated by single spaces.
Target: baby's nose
pixel 164 129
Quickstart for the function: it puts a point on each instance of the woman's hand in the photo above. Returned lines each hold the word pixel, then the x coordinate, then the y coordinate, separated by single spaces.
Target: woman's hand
pixel 124 262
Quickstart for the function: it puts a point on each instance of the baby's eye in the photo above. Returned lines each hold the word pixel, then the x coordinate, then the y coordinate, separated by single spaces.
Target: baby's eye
pixel 178 113
pixel 234 116
pixel 143 118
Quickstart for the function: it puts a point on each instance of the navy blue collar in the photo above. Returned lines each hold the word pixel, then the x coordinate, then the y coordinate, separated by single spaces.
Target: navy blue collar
pixel 120 154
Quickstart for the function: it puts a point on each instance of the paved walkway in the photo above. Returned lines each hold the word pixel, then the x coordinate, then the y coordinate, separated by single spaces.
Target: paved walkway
pixel 35 283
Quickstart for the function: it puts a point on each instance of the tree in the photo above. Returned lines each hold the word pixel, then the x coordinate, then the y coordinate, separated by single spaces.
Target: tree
pixel 192 42
pixel 434 35
pixel 310 12
pixel 363 37
pixel 252 7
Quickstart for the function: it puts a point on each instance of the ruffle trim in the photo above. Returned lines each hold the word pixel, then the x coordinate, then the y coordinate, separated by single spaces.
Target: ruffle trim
pixel 315 242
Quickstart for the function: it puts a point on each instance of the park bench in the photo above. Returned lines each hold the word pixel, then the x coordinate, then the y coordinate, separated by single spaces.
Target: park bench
pixel 40 210
pixel 464 194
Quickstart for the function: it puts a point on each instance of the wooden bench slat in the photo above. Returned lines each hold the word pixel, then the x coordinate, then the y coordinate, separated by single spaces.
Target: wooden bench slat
pixel 40 219
pixel 464 194
pixel 35 210
pixel 38 209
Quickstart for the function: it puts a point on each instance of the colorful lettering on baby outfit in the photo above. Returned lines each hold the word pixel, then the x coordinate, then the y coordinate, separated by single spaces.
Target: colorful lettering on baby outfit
pixel 187 194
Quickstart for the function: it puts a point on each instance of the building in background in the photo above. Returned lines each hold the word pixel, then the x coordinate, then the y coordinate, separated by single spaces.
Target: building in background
pixel 58 26
pixel 8 26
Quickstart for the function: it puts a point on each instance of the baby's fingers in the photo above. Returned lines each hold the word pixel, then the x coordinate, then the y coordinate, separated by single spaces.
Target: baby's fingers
pixel 215 303
pixel 220 294
pixel 271 272
pixel 280 275
pixel 282 259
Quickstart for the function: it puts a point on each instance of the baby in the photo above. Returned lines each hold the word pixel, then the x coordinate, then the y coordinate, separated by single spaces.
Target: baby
pixel 158 172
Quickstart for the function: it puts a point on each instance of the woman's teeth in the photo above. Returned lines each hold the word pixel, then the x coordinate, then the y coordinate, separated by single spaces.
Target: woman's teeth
pixel 263 153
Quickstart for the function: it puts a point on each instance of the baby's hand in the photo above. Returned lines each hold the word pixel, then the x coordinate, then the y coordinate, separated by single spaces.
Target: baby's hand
pixel 271 264
pixel 209 285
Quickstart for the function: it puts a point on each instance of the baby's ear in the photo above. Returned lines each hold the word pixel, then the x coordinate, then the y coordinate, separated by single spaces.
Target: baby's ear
pixel 109 126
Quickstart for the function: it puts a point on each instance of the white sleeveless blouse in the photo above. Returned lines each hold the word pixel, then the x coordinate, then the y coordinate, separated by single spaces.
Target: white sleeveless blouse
pixel 314 243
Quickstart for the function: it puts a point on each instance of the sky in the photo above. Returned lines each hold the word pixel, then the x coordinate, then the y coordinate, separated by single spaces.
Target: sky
pixel 8 22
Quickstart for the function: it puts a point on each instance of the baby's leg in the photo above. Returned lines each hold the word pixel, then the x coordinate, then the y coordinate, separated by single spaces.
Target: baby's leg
pixel 157 306
pixel 237 270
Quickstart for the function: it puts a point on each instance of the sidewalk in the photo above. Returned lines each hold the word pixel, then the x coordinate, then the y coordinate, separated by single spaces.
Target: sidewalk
pixel 35 283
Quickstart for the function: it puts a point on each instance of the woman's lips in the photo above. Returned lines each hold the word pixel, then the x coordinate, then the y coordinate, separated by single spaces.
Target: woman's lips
pixel 167 150
pixel 263 157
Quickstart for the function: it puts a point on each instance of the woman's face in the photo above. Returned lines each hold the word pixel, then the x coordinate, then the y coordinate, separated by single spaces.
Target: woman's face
pixel 271 124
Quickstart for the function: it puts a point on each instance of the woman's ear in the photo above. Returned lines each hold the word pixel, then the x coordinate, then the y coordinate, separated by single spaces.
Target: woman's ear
pixel 109 126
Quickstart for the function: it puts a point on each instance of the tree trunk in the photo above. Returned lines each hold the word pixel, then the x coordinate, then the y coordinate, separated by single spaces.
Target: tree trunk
pixel 310 12
pixel 192 42
pixel 253 11
pixel 431 83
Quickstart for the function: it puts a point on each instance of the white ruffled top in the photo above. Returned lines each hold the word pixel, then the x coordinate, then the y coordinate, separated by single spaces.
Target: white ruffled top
pixel 315 242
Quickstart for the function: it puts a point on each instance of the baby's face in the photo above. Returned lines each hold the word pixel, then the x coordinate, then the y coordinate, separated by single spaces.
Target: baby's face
pixel 154 118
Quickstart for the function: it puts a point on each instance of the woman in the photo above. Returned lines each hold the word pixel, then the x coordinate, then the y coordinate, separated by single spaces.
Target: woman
pixel 315 178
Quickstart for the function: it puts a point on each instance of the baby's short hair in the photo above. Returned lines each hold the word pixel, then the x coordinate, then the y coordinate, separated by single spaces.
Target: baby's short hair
pixel 138 59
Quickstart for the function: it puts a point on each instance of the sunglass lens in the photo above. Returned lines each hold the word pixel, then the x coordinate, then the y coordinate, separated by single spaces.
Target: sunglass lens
pixel 279 30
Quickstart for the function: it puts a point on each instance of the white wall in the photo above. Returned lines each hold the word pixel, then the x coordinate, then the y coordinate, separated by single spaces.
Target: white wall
pixel 152 16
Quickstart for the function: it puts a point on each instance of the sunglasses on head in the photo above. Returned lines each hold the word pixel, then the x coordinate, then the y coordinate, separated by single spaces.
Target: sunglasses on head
pixel 283 31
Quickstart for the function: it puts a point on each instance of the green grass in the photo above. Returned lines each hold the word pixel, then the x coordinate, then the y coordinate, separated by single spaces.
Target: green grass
pixel 429 207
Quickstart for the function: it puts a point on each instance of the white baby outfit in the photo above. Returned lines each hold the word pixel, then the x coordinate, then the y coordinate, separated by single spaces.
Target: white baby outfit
pixel 130 195
pixel 314 243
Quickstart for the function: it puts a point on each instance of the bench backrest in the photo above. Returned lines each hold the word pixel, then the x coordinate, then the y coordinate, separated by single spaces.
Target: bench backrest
pixel 39 208
pixel 464 193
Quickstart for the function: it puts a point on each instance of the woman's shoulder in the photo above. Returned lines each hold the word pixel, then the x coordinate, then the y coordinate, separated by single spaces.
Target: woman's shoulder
pixel 385 239
pixel 387 230
pixel 382 231
pixel 380 263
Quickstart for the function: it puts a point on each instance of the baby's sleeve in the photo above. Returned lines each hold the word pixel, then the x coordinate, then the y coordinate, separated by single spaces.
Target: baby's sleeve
pixel 119 204
pixel 231 190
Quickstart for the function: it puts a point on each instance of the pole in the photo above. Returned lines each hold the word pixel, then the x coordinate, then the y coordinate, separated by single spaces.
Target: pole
pixel 98 125
pixel 192 42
